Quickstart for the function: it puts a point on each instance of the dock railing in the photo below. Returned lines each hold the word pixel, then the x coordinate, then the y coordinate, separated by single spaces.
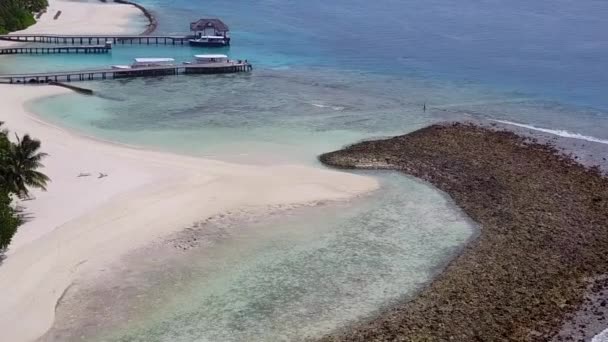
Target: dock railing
pixel 103 74
pixel 97 39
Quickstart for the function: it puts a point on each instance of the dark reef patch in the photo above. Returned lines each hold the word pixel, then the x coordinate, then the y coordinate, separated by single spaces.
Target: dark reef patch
pixel 544 235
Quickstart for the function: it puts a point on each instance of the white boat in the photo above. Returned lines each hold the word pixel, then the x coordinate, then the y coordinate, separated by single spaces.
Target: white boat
pixel 207 59
pixel 211 59
pixel 210 41
pixel 146 62
pixel 216 64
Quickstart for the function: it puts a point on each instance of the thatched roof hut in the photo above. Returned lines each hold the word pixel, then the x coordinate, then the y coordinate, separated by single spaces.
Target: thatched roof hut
pixel 209 27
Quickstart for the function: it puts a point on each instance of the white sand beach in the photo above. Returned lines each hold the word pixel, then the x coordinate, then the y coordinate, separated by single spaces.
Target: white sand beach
pixel 87 18
pixel 83 223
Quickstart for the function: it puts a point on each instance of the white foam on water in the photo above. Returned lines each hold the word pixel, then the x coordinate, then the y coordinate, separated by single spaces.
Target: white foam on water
pixel 479 103
pixel 320 105
pixel 560 132
pixel 601 337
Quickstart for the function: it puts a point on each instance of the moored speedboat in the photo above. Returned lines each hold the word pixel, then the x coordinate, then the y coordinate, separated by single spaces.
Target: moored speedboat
pixel 216 64
pixel 210 59
pixel 210 41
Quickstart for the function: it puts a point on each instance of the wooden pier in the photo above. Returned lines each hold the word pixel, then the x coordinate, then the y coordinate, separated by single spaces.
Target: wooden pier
pixel 96 39
pixel 57 49
pixel 102 74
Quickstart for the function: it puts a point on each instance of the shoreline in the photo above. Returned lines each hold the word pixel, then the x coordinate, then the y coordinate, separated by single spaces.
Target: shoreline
pixel 530 270
pixel 152 22
pixel 201 240
pixel 82 224
pixel 90 222
pixel 136 204
pixel 86 18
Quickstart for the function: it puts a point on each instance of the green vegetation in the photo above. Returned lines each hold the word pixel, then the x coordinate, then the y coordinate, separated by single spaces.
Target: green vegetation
pixel 9 221
pixel 17 14
pixel 18 169
pixel 19 162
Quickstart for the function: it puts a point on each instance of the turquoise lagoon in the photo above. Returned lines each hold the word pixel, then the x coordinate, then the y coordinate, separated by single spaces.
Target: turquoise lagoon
pixel 326 74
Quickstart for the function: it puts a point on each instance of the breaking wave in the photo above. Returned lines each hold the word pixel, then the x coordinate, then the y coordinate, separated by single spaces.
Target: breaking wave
pixel 561 133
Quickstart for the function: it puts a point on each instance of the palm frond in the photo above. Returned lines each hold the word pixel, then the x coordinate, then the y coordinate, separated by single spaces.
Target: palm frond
pixel 19 166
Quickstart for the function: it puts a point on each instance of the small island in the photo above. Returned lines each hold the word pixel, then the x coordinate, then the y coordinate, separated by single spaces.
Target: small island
pixel 537 265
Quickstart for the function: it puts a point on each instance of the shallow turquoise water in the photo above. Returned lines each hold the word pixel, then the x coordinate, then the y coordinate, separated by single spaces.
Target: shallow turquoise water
pixel 292 115
pixel 536 63
pixel 286 277
pixel 308 277
pixel 270 114
pixel 328 74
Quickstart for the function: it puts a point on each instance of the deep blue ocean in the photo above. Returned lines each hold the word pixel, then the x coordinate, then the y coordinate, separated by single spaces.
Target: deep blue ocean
pixel 552 49
pixel 329 73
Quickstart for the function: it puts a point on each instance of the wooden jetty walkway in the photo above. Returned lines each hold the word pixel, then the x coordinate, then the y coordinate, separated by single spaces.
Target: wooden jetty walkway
pixel 57 49
pixel 96 39
pixel 102 74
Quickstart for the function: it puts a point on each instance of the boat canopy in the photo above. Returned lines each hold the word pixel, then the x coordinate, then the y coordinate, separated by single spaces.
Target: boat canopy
pixel 212 37
pixel 210 56
pixel 154 60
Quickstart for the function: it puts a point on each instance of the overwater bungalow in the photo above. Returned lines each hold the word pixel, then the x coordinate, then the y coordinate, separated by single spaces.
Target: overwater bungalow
pixel 210 32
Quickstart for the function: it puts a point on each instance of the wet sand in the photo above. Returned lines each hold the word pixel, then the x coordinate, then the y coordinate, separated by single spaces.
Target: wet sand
pixel 543 239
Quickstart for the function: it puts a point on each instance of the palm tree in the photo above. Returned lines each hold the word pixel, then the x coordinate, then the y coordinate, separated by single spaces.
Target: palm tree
pixel 4 143
pixel 18 167
pixel 5 146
